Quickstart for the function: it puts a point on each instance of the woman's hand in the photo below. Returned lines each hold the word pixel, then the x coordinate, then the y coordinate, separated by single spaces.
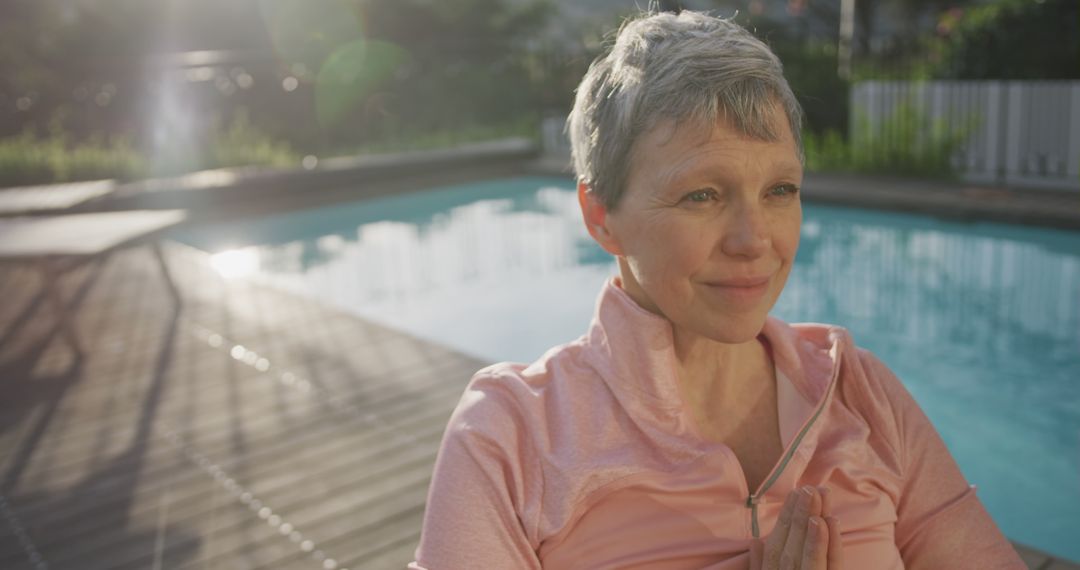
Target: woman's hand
pixel 806 536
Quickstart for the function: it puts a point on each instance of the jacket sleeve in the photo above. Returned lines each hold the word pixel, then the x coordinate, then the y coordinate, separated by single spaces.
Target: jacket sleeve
pixel 941 523
pixel 484 474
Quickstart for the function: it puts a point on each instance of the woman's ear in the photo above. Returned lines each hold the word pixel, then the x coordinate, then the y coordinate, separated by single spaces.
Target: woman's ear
pixel 596 219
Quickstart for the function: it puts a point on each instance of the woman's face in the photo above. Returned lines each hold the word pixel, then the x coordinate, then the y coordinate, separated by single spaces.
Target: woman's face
pixel 707 229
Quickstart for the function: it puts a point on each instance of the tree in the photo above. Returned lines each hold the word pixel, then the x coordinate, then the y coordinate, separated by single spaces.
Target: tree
pixel 1010 39
pixel 390 65
pixel 463 63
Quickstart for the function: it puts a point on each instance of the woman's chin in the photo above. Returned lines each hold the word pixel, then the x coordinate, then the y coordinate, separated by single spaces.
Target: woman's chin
pixel 723 328
pixel 738 334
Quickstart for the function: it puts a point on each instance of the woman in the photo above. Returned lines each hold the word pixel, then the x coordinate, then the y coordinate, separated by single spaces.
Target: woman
pixel 687 428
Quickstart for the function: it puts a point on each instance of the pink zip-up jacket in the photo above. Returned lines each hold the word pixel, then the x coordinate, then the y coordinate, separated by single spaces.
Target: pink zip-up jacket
pixel 589 458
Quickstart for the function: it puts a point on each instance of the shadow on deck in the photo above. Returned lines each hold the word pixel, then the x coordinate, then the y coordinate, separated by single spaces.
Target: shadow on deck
pixel 245 428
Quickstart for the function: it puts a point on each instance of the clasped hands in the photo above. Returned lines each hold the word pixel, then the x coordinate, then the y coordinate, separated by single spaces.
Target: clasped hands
pixel 806 536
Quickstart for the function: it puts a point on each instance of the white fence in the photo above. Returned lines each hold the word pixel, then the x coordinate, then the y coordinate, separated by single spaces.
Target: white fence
pixel 1018 133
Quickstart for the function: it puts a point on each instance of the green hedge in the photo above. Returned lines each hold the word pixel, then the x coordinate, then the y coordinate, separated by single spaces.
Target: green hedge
pixel 27 159
pixel 906 143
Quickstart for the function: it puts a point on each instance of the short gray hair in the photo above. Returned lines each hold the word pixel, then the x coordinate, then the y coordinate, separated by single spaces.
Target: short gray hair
pixel 689 66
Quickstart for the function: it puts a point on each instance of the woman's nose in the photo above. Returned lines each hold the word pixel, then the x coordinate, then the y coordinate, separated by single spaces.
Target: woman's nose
pixel 746 234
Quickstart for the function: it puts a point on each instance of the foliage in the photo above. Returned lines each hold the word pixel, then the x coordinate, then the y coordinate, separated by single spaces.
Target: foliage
pixel 906 143
pixel 363 73
pixel 826 152
pixel 1009 39
pixel 243 144
pixel 810 66
pixel 443 66
pixel 811 72
pixel 29 159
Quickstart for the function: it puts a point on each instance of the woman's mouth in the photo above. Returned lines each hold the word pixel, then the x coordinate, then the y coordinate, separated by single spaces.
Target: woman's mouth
pixel 740 290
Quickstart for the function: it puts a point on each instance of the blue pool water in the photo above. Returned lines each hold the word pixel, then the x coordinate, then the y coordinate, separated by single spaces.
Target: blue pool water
pixel 981 321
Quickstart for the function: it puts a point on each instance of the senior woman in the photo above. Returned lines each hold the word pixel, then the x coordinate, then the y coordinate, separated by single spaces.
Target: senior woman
pixel 687 428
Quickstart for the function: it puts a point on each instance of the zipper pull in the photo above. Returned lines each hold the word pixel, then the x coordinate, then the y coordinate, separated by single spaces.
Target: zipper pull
pixel 752 503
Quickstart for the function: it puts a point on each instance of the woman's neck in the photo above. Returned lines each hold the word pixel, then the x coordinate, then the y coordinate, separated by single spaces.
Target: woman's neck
pixel 711 371
pixel 708 370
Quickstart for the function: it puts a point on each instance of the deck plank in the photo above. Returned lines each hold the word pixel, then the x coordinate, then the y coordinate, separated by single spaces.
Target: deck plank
pixel 155 446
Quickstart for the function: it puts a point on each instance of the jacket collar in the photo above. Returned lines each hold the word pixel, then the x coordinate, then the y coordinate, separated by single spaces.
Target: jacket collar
pixel 633 351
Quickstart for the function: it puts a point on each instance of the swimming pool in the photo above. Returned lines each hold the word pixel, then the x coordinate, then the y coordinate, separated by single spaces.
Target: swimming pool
pixel 981 321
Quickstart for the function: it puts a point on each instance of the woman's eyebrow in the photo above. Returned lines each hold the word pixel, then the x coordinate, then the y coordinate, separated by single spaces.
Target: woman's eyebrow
pixel 788 168
pixel 684 173
pixel 677 174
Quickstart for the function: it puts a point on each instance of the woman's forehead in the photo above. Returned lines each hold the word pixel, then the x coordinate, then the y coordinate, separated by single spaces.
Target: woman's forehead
pixel 770 126
pixel 671 147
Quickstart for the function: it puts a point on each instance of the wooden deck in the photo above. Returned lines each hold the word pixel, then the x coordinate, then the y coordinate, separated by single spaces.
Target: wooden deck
pixel 245 428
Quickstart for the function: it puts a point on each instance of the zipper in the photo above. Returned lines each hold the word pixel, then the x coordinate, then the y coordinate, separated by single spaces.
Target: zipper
pixel 753 499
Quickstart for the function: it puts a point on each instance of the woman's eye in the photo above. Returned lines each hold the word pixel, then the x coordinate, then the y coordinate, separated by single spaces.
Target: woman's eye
pixel 700 196
pixel 784 190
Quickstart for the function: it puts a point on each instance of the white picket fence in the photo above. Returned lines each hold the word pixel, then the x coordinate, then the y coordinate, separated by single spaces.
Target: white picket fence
pixel 1018 133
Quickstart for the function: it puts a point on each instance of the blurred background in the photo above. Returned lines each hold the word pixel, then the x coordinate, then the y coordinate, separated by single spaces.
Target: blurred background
pixel 350 206
pixel 125 89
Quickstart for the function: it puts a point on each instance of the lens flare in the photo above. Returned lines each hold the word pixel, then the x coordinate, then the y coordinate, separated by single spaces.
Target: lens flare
pixel 236 263
pixel 352 73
